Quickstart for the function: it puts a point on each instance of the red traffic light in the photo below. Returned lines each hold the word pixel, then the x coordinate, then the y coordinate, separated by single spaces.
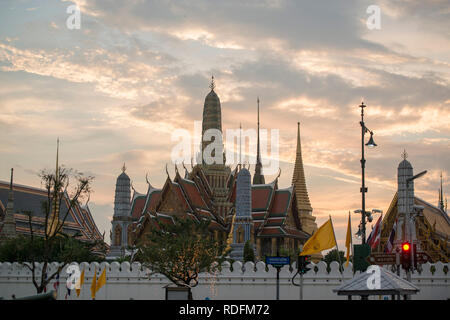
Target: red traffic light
pixel 406 246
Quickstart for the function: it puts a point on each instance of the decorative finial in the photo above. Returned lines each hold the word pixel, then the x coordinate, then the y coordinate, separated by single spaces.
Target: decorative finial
pixel 212 85
pixel 404 154
pixel 123 167
pixel 11 183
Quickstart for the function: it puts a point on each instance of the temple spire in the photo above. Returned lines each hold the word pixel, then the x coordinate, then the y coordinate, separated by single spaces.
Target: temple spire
pixel 212 119
pixel 298 178
pixel 258 178
pixel 441 197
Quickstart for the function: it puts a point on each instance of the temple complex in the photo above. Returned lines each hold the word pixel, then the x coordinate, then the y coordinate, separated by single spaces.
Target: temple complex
pixel 273 219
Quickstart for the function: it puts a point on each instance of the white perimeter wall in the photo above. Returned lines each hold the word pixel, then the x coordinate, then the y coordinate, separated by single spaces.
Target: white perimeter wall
pixel 125 281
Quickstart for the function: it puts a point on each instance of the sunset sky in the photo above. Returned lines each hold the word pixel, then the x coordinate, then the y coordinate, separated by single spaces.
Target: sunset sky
pixel 114 90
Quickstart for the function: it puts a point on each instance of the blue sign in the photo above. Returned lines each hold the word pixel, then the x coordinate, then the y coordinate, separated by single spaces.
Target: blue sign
pixel 278 261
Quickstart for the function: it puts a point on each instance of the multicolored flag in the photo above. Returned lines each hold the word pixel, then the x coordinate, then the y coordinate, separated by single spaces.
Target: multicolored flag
pixel 67 293
pixel 56 284
pixel 374 238
pixel 390 243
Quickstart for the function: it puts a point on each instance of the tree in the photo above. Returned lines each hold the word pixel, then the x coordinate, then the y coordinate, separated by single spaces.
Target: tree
pixel 249 254
pixel 181 251
pixel 332 255
pixel 47 241
pixel 21 248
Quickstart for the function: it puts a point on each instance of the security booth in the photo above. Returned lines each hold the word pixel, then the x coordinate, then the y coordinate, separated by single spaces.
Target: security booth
pixel 379 283
pixel 178 293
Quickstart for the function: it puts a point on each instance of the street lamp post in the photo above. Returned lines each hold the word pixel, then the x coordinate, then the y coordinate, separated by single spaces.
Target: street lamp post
pixel 370 144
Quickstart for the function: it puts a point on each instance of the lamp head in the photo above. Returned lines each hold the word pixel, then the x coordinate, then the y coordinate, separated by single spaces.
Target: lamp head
pixel 371 143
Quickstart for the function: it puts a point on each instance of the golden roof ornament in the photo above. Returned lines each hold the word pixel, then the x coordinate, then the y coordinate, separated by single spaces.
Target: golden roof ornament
pixel 404 154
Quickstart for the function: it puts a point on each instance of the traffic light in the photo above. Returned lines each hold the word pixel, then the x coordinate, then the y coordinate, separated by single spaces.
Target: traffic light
pixel 406 256
pixel 303 262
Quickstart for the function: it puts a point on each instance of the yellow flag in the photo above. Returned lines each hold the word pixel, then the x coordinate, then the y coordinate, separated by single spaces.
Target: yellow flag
pixel 101 281
pixel 348 239
pixel 80 283
pixel 322 239
pixel 94 284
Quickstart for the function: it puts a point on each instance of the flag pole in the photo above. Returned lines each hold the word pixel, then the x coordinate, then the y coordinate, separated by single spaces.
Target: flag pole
pixel 381 224
pixel 337 248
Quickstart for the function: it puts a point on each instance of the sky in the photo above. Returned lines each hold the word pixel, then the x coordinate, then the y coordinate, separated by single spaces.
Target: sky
pixel 116 88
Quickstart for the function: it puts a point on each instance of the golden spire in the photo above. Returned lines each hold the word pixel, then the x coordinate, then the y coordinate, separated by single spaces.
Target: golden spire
pixel 298 178
pixel 258 178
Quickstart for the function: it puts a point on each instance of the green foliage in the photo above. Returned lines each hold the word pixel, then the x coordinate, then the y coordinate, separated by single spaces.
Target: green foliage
pixel 181 251
pixel 332 255
pixel 249 254
pixel 289 253
pixel 65 249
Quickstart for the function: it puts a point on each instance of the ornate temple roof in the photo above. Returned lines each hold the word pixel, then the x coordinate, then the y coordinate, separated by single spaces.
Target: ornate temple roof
pixel 29 200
